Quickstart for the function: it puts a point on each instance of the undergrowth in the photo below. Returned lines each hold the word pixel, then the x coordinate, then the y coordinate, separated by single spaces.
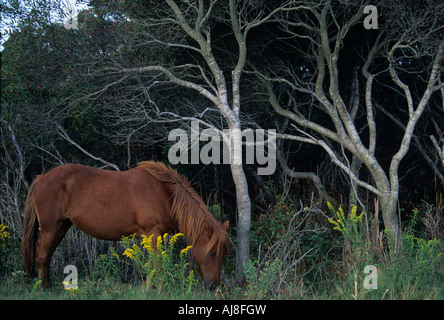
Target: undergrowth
pixel 358 263
pixel 297 252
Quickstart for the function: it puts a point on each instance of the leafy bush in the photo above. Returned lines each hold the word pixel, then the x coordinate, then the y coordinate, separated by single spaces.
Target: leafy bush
pixel 289 241
pixel 416 267
pixel 261 284
pixel 270 226
pixel 108 267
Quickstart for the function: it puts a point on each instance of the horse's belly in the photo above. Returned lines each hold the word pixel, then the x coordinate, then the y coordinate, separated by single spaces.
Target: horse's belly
pixel 104 223
pixel 105 231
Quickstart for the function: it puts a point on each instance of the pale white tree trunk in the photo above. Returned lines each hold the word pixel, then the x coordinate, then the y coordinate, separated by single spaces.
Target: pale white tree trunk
pixel 213 86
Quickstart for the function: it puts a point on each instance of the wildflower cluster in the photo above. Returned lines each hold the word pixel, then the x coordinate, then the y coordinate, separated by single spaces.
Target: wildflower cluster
pixel 4 235
pixel 348 227
pixel 7 249
pixel 164 267
pixel 131 252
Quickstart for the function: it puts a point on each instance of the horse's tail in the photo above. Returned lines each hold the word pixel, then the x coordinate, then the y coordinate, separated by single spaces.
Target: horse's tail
pixel 30 232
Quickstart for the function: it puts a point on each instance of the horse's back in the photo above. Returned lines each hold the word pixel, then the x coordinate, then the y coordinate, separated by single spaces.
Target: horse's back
pixel 60 183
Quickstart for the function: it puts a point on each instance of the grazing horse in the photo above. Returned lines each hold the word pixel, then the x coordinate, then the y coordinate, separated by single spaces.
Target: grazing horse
pixel 148 199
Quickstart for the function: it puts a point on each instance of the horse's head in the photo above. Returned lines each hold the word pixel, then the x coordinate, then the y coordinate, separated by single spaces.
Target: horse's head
pixel 208 253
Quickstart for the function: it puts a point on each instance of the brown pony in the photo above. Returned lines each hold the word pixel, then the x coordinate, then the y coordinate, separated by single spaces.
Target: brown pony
pixel 148 199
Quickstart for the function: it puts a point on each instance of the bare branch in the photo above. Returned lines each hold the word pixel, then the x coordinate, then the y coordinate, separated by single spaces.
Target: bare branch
pixel 65 136
pixel 302 175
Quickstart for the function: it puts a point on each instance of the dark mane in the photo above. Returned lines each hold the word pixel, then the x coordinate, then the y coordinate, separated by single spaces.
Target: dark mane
pixel 188 209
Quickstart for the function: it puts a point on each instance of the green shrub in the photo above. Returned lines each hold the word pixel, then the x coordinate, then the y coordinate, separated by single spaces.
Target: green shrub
pixel 415 272
pixel 108 267
pixel 262 282
pixel 272 225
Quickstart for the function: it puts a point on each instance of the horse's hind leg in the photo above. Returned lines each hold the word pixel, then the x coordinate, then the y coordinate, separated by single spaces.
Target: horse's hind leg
pixel 49 240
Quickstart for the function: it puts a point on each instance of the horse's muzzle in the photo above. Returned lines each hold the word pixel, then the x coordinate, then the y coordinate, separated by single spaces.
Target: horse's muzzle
pixel 210 285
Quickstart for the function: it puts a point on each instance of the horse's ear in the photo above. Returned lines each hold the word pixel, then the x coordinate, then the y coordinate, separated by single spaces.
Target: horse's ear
pixel 226 225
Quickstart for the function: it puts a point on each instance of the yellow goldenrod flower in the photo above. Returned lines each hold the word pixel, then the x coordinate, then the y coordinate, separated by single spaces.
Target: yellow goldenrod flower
pixel 115 255
pixel 129 253
pixel 147 242
pixel 68 286
pixel 175 237
pixel 36 285
pixel 4 234
pixel 184 251
pixel 353 213
pixel 150 277
pixel 144 240
pixel 159 243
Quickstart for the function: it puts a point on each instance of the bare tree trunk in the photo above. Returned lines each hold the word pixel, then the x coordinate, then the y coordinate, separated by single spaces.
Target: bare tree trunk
pixel 243 220
pixel 192 18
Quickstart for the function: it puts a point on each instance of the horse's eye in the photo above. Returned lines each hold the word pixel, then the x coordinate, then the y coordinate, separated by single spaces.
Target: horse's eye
pixel 212 254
